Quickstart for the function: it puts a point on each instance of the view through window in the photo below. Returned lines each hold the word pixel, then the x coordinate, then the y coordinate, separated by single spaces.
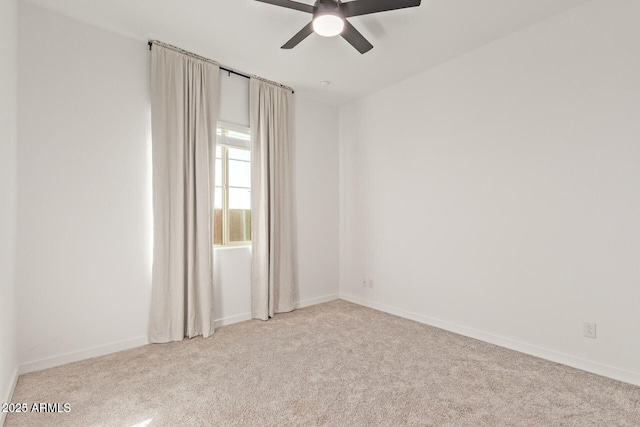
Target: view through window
pixel 232 204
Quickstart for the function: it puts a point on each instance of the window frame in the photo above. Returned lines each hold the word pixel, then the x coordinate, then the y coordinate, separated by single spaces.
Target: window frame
pixel 225 140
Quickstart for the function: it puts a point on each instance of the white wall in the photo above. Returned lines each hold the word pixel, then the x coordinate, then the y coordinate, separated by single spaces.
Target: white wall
pixel 317 199
pixel 498 195
pixel 8 164
pixel 84 204
pixel 234 99
pixel 84 231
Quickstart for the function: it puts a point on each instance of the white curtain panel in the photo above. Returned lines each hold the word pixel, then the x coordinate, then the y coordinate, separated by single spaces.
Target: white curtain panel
pixel 184 109
pixel 273 284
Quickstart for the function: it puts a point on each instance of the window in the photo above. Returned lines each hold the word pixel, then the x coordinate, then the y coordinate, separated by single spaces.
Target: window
pixel 232 206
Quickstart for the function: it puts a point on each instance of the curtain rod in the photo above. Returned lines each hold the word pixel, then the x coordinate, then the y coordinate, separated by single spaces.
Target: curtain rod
pixel 228 70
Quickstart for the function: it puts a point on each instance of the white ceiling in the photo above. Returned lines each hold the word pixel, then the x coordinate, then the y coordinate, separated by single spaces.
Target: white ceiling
pixel 246 35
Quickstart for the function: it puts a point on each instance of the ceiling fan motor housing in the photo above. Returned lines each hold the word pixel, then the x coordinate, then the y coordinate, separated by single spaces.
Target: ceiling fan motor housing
pixel 327 7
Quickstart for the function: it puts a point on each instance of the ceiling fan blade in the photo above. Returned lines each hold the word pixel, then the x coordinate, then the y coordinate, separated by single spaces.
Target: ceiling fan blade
pixel 364 7
pixel 302 34
pixel 290 5
pixel 356 39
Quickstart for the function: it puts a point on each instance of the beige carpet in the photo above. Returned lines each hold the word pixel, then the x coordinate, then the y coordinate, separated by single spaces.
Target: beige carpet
pixel 335 364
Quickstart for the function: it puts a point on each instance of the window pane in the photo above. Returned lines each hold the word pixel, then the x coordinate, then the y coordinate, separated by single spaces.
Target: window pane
pixel 232 191
pixel 239 198
pixel 218 172
pixel 239 174
pixel 217 226
pixel 217 198
pixel 239 225
pixel 238 135
pixel 238 154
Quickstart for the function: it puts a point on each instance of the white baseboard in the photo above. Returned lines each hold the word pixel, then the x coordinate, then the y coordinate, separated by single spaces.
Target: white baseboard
pixel 52 362
pixel 300 304
pixel 541 352
pixel 231 320
pixel 8 399
pixel 318 300
pixel 76 356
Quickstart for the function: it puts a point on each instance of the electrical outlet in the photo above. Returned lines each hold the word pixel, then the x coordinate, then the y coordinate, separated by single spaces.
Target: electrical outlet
pixel 367 283
pixel 589 330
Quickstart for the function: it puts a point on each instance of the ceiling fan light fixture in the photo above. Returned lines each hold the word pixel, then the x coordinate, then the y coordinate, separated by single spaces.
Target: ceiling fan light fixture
pixel 328 25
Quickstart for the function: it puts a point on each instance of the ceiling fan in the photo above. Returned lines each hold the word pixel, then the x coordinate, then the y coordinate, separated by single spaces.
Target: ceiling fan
pixel 329 18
